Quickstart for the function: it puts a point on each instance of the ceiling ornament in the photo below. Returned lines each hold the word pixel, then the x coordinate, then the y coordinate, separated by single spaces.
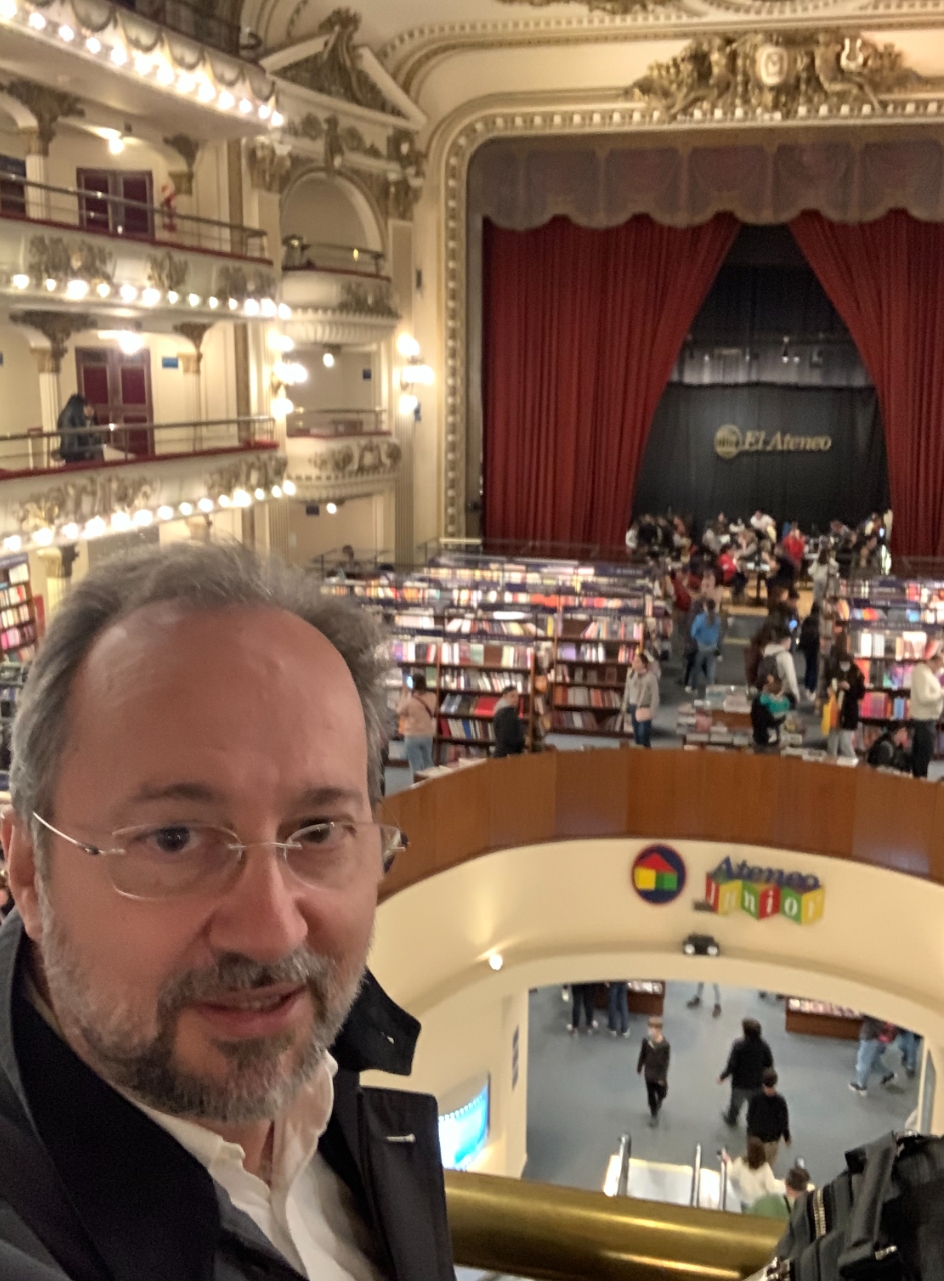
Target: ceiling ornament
pixel 269 166
pixel 57 327
pixel 335 70
pixel 49 106
pixel 784 76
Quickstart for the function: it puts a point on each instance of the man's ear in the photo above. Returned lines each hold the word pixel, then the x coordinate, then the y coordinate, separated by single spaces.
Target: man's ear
pixel 20 858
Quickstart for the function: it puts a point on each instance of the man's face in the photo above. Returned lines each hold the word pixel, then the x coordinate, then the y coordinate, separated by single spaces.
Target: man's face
pixel 216 1005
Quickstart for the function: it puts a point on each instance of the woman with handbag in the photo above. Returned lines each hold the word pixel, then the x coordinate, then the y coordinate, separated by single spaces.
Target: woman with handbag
pixel 416 710
pixel 641 698
pixel 845 689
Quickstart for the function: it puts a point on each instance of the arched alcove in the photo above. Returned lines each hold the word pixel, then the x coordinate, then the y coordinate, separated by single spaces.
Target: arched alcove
pixel 328 210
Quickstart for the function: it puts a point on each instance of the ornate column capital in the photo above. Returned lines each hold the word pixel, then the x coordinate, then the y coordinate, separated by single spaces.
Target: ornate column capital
pixel 269 166
pixel 188 149
pixel 48 106
pixel 194 332
pixel 57 327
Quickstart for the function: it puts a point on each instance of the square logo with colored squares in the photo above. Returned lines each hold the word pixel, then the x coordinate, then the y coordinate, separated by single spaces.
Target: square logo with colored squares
pixel 658 874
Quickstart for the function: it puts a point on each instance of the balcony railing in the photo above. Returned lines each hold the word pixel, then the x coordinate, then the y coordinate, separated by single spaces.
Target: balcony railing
pixel 300 256
pixel 196 23
pixel 113 444
pixel 101 214
pixel 335 422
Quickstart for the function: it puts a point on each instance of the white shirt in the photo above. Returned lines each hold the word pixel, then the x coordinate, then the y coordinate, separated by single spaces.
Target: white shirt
pixel 304 1209
pixel 750 1185
pixel 927 697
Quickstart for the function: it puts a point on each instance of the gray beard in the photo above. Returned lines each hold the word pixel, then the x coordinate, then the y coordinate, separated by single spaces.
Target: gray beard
pixel 263 1075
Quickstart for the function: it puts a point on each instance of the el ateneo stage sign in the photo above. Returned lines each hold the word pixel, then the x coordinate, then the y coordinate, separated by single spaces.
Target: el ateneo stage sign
pixel 802 453
pixel 730 441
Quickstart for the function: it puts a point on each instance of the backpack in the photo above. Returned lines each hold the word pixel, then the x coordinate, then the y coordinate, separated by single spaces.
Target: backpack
pixel 766 666
pixel 881 1220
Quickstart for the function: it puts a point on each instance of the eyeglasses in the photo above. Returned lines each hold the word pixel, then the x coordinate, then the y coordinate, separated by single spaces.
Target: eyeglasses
pixel 175 859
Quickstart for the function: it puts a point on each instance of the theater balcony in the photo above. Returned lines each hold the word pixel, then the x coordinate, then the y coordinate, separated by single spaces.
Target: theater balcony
pixel 338 295
pixel 131 477
pixel 66 248
pixel 340 453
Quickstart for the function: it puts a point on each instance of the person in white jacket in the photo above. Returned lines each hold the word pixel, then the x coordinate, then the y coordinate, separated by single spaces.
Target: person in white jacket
pixel 927 704
pixel 750 1175
pixel 779 650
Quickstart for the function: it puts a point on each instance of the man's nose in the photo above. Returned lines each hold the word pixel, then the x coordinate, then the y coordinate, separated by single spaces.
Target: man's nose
pixel 260 914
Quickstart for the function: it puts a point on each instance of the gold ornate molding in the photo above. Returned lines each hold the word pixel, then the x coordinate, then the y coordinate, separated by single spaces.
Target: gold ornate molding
pixel 80 499
pixel 362 299
pixel 167 273
pixel 351 460
pixel 336 71
pixel 57 327
pixel 269 166
pixel 616 8
pixel 48 106
pixel 252 472
pixel 786 75
pixel 59 259
pixel 195 332
pixel 239 284
pixel 188 149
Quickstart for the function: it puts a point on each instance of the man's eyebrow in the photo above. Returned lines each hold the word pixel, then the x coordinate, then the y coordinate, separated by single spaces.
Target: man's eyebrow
pixel 202 793
pixel 328 796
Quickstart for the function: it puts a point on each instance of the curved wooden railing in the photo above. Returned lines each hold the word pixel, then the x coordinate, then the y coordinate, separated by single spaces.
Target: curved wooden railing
pixel 883 819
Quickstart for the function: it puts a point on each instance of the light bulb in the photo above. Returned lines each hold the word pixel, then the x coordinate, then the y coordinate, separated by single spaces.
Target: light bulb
pixel 277 342
pixel 268 308
pixel 77 288
pixel 289 487
pixel 242 498
pixel 281 406
pixel 408 403
pixel 8 10
pixel 205 505
pixel 165 513
pixel 496 961
pixel 213 303
pixel 252 307
pixel 51 283
pixel 233 304
pixel 331 509
pixel 328 360
pixel 37 21
pixel 95 527
pixel 186 84
pixel 127 293
pixel 165 74
pixel 245 106
pixel 116 144
pixel 278 120
pixel 284 311
pixel 422 374
pixel 276 492
pixel 13 543
pixel 66 33
pixel 118 55
pixel 259 494
pixel 103 289
pixel 21 280
pixel 186 509
pixel 151 296
pixel 143 66
pixel 225 100
pixel 224 500
pixel 129 342
pixel 280 369
pixel 143 518
pixel 206 92
pixel 265 111
pixel 93 44
pixel 407 346
pixel 120 521
pixel 194 300
pixel 70 531
pixel 173 295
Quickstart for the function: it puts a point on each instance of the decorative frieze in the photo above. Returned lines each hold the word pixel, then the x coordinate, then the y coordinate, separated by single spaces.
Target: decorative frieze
pixel 269 166
pixel 363 298
pixel 335 70
pixel 167 272
pixel 62 259
pixel 48 107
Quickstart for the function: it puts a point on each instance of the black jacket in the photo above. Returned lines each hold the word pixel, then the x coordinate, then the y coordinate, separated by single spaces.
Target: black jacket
pixel 99 1192
pixel 746 1062
pixel 768 1118
pixel 852 697
pixel 509 732
pixel 654 1060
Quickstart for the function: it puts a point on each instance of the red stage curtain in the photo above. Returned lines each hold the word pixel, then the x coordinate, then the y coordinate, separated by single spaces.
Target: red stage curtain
pixel 581 330
pixel 886 280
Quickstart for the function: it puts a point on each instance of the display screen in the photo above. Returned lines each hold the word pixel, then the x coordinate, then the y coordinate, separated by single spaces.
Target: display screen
pixel 463 1133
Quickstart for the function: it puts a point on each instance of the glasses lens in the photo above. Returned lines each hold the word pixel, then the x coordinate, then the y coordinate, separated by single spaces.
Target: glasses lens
pixel 333 853
pixel 157 862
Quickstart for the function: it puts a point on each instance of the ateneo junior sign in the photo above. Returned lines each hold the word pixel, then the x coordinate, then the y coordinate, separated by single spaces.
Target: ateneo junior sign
pixel 763 892
pixel 730 441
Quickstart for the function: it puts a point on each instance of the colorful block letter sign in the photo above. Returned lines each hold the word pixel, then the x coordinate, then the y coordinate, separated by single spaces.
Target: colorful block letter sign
pixel 658 874
pixel 762 892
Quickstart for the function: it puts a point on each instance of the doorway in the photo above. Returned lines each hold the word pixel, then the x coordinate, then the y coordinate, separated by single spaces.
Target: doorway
pixel 119 386
pixel 118 201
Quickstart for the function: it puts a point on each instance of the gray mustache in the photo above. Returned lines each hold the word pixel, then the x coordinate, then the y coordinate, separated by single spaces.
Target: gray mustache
pixel 233 972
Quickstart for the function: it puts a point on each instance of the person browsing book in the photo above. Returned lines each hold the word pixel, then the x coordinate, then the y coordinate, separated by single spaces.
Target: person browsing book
pixel 510 738
pixel 927 703
pixel 417 712
pixel 768 712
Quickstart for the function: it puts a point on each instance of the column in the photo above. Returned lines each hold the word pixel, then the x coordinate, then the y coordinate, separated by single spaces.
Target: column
pixel 49 397
pixel 400 239
pixel 57 562
pixel 37 170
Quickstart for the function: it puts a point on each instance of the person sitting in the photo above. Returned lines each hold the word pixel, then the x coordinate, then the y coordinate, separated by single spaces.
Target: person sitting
pixel 750 1176
pixel 510 738
pixel 891 750
pixel 779 1205
pixel 768 712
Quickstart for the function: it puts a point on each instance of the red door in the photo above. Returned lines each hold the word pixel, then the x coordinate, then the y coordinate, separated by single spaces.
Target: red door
pixel 106 209
pixel 119 387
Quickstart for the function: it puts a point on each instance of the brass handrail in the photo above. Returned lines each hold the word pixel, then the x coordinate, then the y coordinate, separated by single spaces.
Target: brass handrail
pixel 566 1234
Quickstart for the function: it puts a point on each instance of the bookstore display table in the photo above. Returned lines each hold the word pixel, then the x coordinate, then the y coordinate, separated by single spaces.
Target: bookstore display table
pixel 819 1018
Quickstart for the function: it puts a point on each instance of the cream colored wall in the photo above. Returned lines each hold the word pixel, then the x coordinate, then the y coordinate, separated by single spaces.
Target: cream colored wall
pixel 342 387
pixel 19 387
pixel 364 523
pixel 566 912
pixel 175 395
pixel 329 211
pixel 74 148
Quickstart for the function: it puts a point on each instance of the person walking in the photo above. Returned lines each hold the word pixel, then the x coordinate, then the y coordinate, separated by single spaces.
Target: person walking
pixel 617 1023
pixel 581 995
pixel 750 1175
pixel 749 1057
pixel 416 710
pixel 510 737
pixel 776 655
pixel 706 634
pixel 845 685
pixel 927 703
pixel 694 1003
pixel 653 1065
pixel 874 1039
pixel 779 1205
pixel 768 1117
pixel 809 646
pixel 641 698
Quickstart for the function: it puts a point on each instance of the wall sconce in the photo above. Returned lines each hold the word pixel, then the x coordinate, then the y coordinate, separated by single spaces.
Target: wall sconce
pixel 415 373
pixel 285 374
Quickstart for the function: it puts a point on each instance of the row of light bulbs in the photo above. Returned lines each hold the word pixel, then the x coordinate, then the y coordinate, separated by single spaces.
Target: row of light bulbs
pixel 122 521
pixel 146 65
pixel 76 289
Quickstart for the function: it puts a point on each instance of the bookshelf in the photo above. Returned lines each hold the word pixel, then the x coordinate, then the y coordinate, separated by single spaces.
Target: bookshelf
pixel 564 634
pixel 18 622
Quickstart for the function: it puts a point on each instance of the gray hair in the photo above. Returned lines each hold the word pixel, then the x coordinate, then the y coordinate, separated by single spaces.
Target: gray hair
pixel 196 576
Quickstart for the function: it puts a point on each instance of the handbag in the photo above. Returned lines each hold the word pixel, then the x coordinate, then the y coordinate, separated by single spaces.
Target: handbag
pixel 830 719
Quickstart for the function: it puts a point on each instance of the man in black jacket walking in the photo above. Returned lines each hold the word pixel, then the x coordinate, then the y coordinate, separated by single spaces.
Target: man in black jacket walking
pixel 184 1004
pixel 509 729
pixel 654 1055
pixel 745 1066
pixel 768 1117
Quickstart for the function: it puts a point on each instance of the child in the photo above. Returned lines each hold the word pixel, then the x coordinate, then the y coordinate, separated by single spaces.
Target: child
pixel 768 712
pixel 654 1064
